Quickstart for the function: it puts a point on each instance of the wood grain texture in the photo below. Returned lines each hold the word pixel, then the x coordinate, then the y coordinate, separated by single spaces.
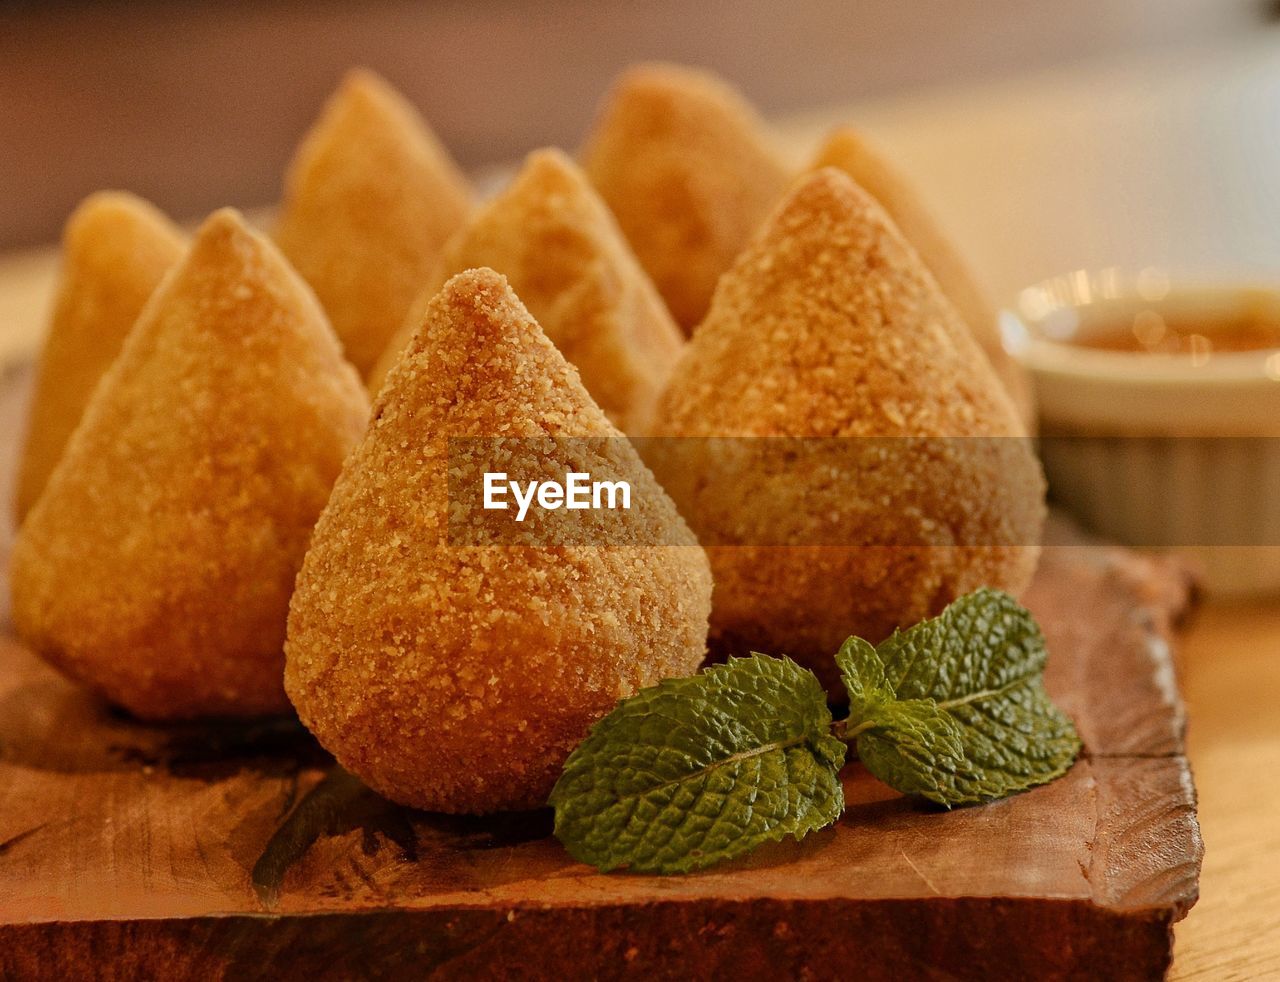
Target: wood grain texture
pixel 238 850
pixel 1231 663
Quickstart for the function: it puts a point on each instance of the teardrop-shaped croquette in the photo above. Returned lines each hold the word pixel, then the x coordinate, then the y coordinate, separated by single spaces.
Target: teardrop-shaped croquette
pixel 830 329
pixel 370 198
pixel 687 166
pixel 849 150
pixel 559 247
pixel 157 566
pixel 115 250
pixel 455 676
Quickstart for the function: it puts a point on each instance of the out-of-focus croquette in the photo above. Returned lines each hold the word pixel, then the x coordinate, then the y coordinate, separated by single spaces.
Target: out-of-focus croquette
pixel 563 255
pixel 830 326
pixel 688 168
pixel 560 248
pixel 849 150
pixel 455 677
pixel 115 250
pixel 157 566
pixel 369 200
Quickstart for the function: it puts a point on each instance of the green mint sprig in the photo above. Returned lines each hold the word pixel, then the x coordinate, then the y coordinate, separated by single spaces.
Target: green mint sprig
pixel 694 771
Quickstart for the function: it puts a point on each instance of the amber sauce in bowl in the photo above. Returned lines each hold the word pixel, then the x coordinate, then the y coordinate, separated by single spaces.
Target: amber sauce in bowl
pixel 1160 414
pixel 1150 332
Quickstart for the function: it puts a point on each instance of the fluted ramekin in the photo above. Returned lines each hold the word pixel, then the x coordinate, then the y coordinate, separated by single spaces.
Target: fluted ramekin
pixel 1175 451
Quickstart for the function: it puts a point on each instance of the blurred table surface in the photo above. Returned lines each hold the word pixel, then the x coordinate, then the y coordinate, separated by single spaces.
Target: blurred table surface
pixel 1169 160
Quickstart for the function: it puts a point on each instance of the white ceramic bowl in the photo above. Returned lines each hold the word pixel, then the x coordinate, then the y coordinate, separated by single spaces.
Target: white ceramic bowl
pixel 1158 450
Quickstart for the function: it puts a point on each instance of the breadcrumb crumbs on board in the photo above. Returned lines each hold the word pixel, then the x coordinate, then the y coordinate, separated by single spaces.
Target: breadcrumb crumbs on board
pixel 458 678
pixel 829 325
pixel 157 566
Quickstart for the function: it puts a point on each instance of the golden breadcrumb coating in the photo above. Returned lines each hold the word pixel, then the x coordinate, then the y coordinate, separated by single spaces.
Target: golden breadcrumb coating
pixel 829 325
pixel 157 565
pixel 459 677
pixel 849 150
pixel 115 250
pixel 687 167
pixel 560 248
pixel 370 198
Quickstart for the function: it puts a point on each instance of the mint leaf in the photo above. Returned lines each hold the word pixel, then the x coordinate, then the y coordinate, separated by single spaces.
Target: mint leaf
pixel 901 742
pixel 864 679
pixel 912 748
pixel 954 709
pixel 697 770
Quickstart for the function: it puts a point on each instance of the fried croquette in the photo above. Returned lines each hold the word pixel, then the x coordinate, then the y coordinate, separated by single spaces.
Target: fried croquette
pixel 849 150
pixel 830 326
pixel 560 248
pixel 458 677
pixel 689 170
pixel 115 250
pixel 157 566
pixel 370 198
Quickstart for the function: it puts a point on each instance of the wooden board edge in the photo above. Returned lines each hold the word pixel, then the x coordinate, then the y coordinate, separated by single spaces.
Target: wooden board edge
pixel 965 938
pixel 1132 867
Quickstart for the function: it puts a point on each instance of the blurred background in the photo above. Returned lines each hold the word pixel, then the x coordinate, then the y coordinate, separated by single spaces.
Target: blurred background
pixel 197 104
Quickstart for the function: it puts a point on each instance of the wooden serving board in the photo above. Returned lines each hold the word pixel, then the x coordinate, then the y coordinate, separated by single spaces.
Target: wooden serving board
pixel 238 849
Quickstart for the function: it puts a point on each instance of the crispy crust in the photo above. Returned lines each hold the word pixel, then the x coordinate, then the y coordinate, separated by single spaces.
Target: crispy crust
pixel 458 678
pixel 849 150
pixel 115 250
pixel 370 199
pixel 556 242
pixel 158 564
pixel 686 166
pixel 828 325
